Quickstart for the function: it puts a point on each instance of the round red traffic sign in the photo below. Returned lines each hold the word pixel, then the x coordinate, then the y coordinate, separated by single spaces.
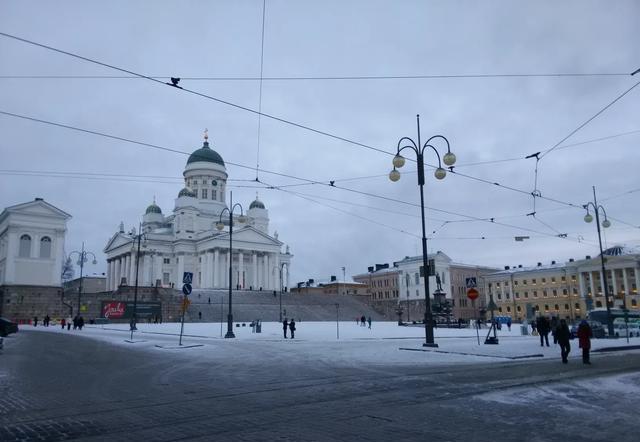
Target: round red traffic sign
pixel 472 293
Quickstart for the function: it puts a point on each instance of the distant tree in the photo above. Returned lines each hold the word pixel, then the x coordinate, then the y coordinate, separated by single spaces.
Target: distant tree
pixel 68 271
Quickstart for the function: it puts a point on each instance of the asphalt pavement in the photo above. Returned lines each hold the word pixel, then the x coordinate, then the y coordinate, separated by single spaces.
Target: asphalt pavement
pixel 56 387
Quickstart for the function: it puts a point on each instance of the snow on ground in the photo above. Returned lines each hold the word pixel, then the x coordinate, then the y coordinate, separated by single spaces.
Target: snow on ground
pixel 385 343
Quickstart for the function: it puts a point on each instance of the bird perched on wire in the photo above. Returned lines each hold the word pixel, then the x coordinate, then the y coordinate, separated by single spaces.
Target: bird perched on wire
pixel 174 82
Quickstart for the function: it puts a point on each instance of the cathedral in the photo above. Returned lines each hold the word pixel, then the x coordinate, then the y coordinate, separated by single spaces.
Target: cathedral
pixel 195 238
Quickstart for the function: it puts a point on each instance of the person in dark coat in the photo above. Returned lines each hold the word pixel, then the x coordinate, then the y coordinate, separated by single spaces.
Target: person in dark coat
pixel 563 336
pixel 63 322
pixel 584 339
pixel 533 327
pixel 285 325
pixel 369 322
pixel 292 328
pixel 509 324
pixel 542 325
pixel 80 322
pixel 363 321
pixel 35 321
pixel 46 321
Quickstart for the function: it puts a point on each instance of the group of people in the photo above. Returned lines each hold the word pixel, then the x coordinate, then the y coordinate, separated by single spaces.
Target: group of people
pixel 291 326
pixel 77 321
pixel 363 321
pixel 561 333
pixel 45 321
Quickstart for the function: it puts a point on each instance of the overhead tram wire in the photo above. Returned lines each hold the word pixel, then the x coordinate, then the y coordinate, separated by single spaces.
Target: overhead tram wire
pixel 264 9
pixel 200 94
pixel 593 117
pixel 322 183
pixel 275 118
pixel 325 78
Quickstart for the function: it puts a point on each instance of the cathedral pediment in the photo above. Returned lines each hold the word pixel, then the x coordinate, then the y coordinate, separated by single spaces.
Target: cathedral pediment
pixel 117 240
pixel 249 234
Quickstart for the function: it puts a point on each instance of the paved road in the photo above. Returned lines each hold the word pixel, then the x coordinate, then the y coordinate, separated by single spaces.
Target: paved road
pixel 61 387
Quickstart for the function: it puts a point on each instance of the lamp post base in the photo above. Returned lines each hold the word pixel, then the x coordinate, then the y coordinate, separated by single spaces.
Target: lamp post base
pixel 229 335
pixel 433 345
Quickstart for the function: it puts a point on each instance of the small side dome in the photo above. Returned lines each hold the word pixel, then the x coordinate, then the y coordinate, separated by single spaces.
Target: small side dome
pixel 187 192
pixel 153 208
pixel 257 204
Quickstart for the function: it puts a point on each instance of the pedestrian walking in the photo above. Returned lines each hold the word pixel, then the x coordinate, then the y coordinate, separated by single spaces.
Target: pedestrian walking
pixel 292 328
pixel 584 340
pixel 369 322
pixel 63 322
pixel 285 326
pixel 363 321
pixel 563 336
pixel 509 324
pixel 209 300
pixel 75 322
pixel 533 327
pixel 35 321
pixel 80 322
pixel 542 325
pixel 200 316
pixel 46 321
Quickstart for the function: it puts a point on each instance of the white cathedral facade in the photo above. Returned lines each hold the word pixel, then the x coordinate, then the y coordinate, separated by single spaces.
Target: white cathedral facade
pixel 188 240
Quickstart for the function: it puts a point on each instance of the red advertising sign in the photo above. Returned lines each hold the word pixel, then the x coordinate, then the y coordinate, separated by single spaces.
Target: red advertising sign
pixel 472 293
pixel 113 310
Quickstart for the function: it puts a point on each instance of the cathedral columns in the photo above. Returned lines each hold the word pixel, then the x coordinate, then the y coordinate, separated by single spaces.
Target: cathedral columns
pixel 241 270
pixel 591 285
pixel 178 277
pixel 118 265
pixel 210 269
pixel 278 275
pixel 216 269
pixel 265 272
pixel 582 288
pixel 254 257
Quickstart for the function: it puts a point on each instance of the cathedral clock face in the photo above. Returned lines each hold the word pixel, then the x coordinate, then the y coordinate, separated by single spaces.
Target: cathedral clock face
pixel 214 183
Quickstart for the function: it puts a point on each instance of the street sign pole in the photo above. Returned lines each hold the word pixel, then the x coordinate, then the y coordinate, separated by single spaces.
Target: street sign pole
pixel 187 279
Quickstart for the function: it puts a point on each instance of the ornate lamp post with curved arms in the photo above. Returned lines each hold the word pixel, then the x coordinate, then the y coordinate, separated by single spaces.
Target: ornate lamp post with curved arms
pixel 449 159
pixel 220 226
pixel 82 258
pixel 606 223
pixel 136 238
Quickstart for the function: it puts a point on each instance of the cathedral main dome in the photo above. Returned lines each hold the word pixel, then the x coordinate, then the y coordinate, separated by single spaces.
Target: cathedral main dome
pixel 205 154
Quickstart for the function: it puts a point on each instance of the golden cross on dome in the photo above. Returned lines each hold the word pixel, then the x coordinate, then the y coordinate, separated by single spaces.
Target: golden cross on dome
pixel 206 134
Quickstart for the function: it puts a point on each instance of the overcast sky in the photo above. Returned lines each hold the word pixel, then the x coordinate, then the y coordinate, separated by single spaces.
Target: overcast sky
pixel 485 119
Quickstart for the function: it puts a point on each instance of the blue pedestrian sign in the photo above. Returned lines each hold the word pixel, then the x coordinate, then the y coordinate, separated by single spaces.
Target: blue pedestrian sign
pixel 187 278
pixel 471 283
pixel 186 289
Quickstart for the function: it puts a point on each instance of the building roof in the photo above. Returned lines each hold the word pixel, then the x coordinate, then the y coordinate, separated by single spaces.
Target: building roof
pixel 153 208
pixel 205 154
pixel 621 251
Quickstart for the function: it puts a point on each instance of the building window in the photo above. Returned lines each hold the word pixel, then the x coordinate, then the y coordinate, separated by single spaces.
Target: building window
pixel 45 247
pixel 508 309
pixel 517 294
pixel 165 278
pixel 556 307
pixel 417 278
pixel 204 194
pixel 544 279
pixel 577 306
pixel 524 282
pixel 634 302
pixel 566 306
pixel 553 279
pixel 214 194
pixel 533 281
pixel 546 307
pixel 518 309
pixel 565 292
pixel 167 260
pixel 535 293
pixel 526 294
pixel 555 292
pixel 25 246
pixel 544 293
pixel 515 282
pixel 563 278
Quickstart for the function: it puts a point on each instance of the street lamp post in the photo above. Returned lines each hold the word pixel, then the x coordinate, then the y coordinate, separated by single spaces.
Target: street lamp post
pixel 134 318
pixel 220 226
pixel 449 159
pixel 82 258
pixel 281 285
pixel 606 223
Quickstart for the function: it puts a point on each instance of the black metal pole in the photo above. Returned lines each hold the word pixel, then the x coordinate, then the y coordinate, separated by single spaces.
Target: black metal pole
pixel 82 256
pixel 230 333
pixel 280 293
pixel 134 317
pixel 604 275
pixel 428 318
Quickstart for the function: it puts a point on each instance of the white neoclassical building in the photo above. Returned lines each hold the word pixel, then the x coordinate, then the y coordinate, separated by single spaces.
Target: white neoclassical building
pixel 188 240
pixel 32 244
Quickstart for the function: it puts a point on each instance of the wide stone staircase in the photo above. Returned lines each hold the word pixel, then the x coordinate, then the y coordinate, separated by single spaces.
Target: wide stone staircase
pixel 249 305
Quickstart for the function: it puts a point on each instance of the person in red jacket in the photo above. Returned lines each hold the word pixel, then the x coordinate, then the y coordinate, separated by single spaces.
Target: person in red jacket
pixel 584 339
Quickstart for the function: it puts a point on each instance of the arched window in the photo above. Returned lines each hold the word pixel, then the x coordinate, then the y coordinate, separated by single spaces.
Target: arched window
pixel 598 303
pixel 45 247
pixel 25 246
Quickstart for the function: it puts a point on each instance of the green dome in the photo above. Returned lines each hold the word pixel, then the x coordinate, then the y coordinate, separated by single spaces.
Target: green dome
pixel 153 208
pixel 257 204
pixel 206 154
pixel 187 192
